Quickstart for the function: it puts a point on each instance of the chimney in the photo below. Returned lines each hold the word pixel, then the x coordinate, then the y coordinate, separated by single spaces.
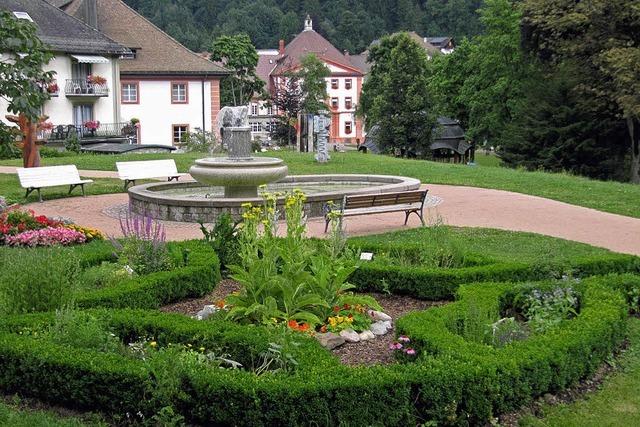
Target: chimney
pixel 281 47
pixel 91 13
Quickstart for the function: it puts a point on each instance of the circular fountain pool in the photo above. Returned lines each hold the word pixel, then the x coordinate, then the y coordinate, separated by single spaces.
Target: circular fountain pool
pixel 194 202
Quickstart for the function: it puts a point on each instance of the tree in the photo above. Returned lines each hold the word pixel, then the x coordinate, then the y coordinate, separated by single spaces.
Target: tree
pixel 22 79
pixel 288 100
pixel 240 56
pixel 481 82
pixel 395 95
pixel 313 84
pixel 603 38
pixel 552 131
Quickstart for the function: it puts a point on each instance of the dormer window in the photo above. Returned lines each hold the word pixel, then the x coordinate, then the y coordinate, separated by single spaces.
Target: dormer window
pixel 23 15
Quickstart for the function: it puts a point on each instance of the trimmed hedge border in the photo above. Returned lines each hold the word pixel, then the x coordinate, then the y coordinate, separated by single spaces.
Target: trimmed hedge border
pixel 453 382
pixel 200 276
pixel 439 283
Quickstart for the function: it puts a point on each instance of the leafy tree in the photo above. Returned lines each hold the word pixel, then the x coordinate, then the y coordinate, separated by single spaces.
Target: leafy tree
pixel 481 81
pixel 22 80
pixel 239 55
pixel 395 95
pixel 603 38
pixel 552 130
pixel 288 99
pixel 313 84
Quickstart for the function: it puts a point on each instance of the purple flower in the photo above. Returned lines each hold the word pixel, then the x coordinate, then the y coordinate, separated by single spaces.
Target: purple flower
pixel 404 338
pixel 410 351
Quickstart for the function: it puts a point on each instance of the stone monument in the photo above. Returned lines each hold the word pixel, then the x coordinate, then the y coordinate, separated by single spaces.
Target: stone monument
pixel 321 125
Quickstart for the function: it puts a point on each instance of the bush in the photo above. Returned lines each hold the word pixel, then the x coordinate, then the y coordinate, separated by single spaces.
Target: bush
pixel 223 238
pixel 453 381
pixel 72 143
pixel 37 280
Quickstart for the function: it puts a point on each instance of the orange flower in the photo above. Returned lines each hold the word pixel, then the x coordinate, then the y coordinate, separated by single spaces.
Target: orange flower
pixel 303 327
pixel 220 303
pixel 323 329
pixel 292 324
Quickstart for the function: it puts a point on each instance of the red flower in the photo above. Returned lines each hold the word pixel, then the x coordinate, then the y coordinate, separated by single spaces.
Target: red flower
pixel 292 324
pixel 336 308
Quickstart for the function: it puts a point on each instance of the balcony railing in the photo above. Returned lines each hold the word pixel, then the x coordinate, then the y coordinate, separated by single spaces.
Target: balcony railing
pixel 84 132
pixel 81 87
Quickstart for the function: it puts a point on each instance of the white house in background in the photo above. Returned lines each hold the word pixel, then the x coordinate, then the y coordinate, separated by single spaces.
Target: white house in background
pixel 86 65
pixel 169 88
pixel 343 85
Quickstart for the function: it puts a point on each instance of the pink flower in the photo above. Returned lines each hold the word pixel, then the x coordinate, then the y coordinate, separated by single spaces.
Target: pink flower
pixel 395 346
pixel 410 351
pixel 404 338
pixel 48 236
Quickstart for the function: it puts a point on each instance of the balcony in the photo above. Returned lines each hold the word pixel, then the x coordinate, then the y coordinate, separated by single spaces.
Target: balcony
pixel 82 88
pixel 93 132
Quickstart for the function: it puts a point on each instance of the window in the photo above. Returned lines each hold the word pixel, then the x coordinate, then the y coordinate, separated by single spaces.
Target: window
pixel 23 15
pixel 82 113
pixel 334 83
pixel 179 93
pixel 347 84
pixel 179 132
pixel 255 126
pixel 270 110
pixel 347 128
pixel 348 103
pixel 334 102
pixel 254 109
pixel 130 92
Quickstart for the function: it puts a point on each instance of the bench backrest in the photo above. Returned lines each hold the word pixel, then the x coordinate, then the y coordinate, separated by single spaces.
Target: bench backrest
pixel 147 169
pixel 48 176
pixel 384 199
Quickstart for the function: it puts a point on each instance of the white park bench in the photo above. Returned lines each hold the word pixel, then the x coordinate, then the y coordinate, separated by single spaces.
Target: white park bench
pixel 50 176
pixel 129 172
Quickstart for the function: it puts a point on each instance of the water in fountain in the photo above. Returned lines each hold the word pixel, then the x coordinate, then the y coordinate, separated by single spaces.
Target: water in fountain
pixel 240 174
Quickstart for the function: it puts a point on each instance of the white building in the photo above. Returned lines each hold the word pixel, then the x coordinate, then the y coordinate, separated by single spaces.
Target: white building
pixel 168 88
pixel 85 64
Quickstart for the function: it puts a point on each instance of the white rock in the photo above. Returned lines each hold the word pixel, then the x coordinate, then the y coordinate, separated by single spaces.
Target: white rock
pixel 350 335
pixel 388 324
pixel 206 312
pixel 366 335
pixel 379 316
pixel 330 340
pixel 379 328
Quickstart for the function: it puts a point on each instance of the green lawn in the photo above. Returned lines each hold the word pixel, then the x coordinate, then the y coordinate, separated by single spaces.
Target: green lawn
pixel 616 404
pixel 15 415
pixel 10 188
pixel 612 197
pixel 495 244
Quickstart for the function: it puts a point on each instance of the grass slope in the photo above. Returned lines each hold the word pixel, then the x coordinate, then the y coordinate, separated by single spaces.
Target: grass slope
pixel 16 416
pixel 608 196
pixel 616 404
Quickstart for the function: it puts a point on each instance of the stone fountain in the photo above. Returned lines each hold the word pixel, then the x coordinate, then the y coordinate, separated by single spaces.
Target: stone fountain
pixel 240 174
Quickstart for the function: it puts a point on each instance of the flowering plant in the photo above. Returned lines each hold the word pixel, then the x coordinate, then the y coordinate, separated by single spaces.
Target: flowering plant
pixel 53 87
pixel 89 233
pixel 96 79
pixel 46 237
pixel 14 221
pixel 347 317
pixel 92 124
pixel 402 348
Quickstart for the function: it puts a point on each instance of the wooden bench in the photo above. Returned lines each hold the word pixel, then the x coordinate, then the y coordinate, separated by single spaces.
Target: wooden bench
pixel 129 172
pixel 50 176
pixel 405 201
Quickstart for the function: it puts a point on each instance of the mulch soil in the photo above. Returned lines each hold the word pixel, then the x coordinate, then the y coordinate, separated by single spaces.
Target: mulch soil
pixel 370 352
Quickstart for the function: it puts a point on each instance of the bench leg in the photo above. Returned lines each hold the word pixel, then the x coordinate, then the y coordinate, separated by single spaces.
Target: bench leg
pixel 30 190
pixel 171 178
pixel 415 211
pixel 82 187
pixel 326 224
pixel 127 182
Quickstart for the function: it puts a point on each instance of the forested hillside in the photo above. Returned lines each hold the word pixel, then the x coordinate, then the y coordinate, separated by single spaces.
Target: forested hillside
pixel 348 24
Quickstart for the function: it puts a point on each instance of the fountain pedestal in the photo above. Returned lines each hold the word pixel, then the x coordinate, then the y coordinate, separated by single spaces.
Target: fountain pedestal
pixel 239 174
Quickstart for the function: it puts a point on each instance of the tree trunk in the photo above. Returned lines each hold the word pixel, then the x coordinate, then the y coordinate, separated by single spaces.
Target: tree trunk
pixel 634 134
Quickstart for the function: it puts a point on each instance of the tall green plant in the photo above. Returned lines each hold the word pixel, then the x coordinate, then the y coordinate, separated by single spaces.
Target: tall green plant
pixel 287 278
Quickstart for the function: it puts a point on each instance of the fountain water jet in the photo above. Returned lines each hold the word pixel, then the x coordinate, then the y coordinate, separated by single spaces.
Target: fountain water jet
pixel 240 174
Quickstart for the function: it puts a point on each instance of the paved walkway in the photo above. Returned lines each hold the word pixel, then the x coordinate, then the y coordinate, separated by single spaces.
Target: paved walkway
pixel 462 206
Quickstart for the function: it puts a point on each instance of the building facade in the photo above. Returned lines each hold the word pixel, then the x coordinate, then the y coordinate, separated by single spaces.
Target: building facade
pixel 343 85
pixel 85 62
pixel 168 88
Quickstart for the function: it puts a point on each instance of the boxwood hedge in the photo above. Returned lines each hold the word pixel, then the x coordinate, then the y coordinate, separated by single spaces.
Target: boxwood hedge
pixel 454 381
pixel 195 279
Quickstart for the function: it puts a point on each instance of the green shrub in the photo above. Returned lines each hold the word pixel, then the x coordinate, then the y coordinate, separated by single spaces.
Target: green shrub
pixel 223 238
pixel 39 279
pixel 72 143
pixel 454 381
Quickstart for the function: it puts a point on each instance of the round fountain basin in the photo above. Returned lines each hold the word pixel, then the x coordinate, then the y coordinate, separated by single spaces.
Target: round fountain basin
pixel 196 202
